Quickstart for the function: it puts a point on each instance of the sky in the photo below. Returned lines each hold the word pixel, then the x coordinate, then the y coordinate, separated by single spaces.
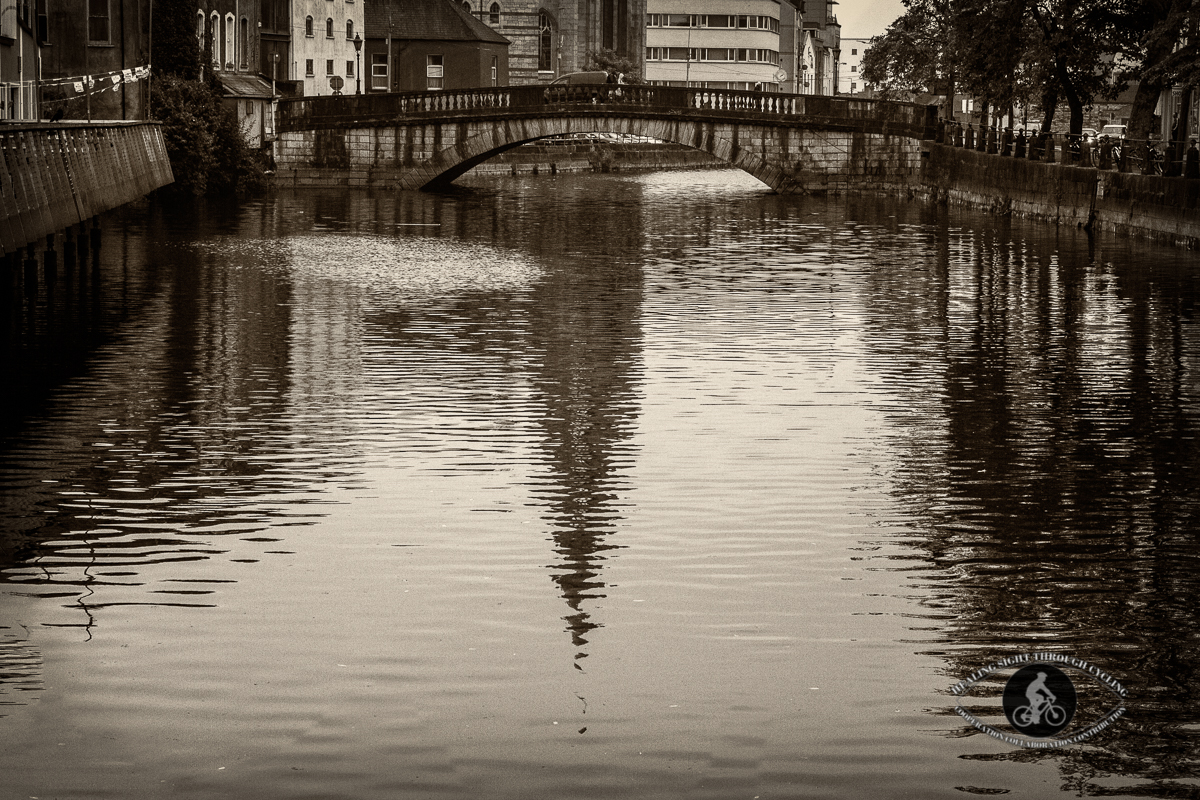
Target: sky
pixel 862 19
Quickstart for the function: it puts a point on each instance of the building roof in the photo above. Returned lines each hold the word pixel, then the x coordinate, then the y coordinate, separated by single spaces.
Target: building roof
pixel 241 85
pixel 425 20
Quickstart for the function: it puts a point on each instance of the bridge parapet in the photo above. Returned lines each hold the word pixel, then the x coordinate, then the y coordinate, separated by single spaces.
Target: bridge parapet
pixel 332 111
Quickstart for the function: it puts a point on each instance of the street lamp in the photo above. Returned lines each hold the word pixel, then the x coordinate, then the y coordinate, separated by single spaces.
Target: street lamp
pixel 357 64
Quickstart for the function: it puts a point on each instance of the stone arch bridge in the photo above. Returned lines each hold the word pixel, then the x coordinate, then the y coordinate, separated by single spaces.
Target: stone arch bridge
pixel 425 140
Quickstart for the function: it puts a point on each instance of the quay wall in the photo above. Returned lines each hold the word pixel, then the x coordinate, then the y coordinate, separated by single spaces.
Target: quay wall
pixel 1150 206
pixel 55 175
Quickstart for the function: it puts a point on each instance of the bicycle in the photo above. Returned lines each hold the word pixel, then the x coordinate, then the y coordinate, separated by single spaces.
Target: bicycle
pixel 1052 714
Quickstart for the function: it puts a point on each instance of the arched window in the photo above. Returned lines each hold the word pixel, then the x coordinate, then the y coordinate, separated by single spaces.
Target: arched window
pixel 467 6
pixel 545 42
pixel 494 14
pixel 214 44
pixel 308 27
pixel 244 43
pixel 349 29
pixel 329 28
pixel 200 28
pixel 228 56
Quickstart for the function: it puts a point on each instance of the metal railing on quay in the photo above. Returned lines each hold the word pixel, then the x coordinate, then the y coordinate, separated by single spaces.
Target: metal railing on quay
pixel 1137 156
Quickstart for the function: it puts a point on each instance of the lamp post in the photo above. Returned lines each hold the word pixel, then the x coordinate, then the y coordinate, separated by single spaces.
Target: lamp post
pixel 357 63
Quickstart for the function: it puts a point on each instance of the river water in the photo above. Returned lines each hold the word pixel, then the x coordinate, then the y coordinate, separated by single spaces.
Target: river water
pixel 644 486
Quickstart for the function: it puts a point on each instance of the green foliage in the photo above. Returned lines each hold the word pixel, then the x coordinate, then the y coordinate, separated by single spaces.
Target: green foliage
pixel 208 152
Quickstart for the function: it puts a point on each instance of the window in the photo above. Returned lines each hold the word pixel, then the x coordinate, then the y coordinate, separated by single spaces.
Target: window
pixel 545 42
pixel 349 29
pixel 308 67
pixel 329 66
pixel 494 14
pixel 853 69
pixel 853 87
pixel 244 42
pixel 99 22
pixel 679 20
pixel 214 44
pixel 854 51
pixel 349 69
pixel 434 75
pixel 227 53
pixel 495 71
pixel 329 28
pixel 200 28
pixel 379 71
pixel 308 27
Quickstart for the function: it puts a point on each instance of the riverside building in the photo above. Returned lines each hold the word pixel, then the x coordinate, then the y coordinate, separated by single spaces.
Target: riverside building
pixel 763 45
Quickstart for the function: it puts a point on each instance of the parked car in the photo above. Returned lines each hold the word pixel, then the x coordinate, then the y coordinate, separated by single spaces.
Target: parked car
pixel 576 78
pixel 1113 131
pixel 1090 134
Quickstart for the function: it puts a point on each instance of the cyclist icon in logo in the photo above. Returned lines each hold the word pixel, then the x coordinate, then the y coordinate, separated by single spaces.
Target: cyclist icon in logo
pixel 1039 700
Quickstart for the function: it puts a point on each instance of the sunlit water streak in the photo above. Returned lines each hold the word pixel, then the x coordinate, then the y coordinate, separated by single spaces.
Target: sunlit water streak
pixel 649 486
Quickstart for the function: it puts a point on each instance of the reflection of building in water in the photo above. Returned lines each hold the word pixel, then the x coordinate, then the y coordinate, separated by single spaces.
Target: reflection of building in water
pixel 1049 458
pixel 586 363
pixel 586 375
pixel 182 356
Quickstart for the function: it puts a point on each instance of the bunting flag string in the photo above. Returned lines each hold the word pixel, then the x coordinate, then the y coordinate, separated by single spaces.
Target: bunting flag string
pixel 100 82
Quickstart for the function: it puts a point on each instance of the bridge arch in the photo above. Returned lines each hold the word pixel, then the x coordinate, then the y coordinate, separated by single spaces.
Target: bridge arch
pixel 415 140
pixel 458 159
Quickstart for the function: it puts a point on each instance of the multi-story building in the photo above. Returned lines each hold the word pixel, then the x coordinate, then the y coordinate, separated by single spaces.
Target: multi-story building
pixel 850 68
pixel 18 60
pixel 819 49
pixel 91 54
pixel 767 45
pixel 324 58
pixel 549 38
pixel 417 45
pixel 714 44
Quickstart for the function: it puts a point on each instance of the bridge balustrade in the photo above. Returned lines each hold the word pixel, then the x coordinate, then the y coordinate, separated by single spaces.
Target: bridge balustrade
pixel 352 110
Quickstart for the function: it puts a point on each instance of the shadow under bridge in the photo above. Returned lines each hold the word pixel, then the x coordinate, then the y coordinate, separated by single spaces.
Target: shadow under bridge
pixel 425 140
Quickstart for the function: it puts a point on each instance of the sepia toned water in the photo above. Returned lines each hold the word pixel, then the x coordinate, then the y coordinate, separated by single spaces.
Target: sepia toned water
pixel 640 486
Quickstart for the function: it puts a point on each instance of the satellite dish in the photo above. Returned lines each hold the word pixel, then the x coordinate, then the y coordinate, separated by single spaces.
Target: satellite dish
pixel 780 75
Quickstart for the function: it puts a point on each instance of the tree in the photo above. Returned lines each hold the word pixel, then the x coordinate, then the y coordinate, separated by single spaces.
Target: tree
pixel 1166 53
pixel 1078 41
pixel 614 64
pixel 176 50
pixel 911 55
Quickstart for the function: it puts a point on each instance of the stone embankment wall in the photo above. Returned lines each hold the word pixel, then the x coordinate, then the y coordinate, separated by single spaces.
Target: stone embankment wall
pixel 1159 208
pixel 56 175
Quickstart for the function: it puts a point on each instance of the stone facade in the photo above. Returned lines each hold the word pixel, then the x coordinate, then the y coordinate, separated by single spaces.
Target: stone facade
pixel 549 38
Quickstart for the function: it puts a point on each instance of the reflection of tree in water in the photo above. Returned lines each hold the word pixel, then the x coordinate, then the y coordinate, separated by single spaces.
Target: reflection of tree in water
pixel 1051 459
